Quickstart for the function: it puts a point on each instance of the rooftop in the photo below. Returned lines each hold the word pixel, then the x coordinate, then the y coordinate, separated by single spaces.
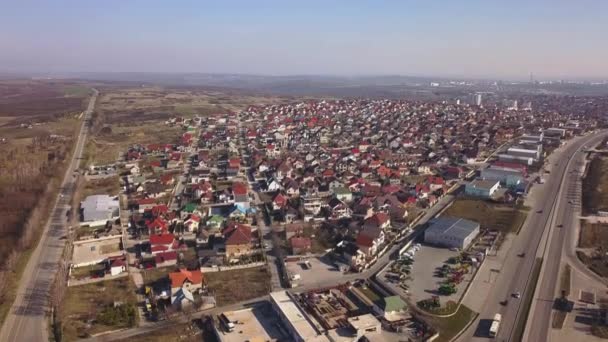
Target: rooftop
pixel 452 225
pixel 294 315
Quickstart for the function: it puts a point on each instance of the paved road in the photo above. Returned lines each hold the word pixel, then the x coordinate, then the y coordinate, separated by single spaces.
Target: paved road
pixel 566 209
pixel 515 273
pixel 27 319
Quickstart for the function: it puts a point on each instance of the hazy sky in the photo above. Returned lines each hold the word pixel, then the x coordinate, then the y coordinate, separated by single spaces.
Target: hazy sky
pixel 486 38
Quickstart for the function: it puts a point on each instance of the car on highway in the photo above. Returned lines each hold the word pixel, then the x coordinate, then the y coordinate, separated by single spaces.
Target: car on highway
pixel 517 295
pixel 539 211
pixel 570 202
pixel 504 302
pixel 521 255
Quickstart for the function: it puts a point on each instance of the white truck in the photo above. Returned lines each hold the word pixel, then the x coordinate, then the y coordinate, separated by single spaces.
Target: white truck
pixel 495 325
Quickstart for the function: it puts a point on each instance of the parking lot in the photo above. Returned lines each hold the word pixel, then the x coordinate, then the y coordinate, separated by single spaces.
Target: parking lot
pixel 420 278
pixel 321 271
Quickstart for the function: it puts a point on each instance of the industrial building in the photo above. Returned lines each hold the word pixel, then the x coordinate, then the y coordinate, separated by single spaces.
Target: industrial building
pixel 294 319
pixel 98 209
pixel 482 188
pixel 524 152
pixel 516 159
pixel 508 177
pixel 451 232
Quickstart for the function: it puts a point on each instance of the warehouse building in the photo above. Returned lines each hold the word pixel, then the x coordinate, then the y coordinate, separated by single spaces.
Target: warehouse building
pixel 451 232
pixel 507 158
pixel 482 188
pixel 524 152
pixel 298 324
pixel 507 177
pixel 98 209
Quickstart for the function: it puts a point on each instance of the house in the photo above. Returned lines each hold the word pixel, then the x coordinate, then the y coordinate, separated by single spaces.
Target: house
pixel 391 308
pixel 163 243
pixel 369 240
pixel 294 229
pixel 237 238
pixel 192 223
pixel 163 259
pixel 353 255
pixel 184 283
pixel 117 266
pixel 482 188
pixel 300 245
pixel 380 221
pixel 239 192
pixel 339 209
pixel 343 194
pixel 279 202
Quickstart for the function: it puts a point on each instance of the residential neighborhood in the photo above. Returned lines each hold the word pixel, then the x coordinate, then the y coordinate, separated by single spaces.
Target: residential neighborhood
pixel 317 195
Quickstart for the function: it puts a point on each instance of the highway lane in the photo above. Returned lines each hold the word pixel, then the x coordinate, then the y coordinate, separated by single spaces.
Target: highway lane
pixel 565 215
pixel 27 318
pixel 515 272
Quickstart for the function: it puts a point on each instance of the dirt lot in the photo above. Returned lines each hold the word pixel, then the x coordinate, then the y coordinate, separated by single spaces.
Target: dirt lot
pixel 108 186
pixel 233 286
pixel 489 215
pixel 593 235
pixel 595 186
pixel 594 238
pixel 27 100
pixel 83 303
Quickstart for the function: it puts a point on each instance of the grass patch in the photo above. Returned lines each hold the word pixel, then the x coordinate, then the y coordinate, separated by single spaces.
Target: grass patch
pixel 233 286
pixel 492 216
pixel 449 308
pixel 88 309
pixel 449 327
pixel 520 325
pixel 595 186
pixel 77 91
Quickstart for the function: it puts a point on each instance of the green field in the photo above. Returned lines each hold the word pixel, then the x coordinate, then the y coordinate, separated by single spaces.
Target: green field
pixel 449 327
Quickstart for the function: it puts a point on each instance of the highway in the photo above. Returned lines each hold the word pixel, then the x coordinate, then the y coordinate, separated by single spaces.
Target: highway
pixel 565 214
pixel 516 272
pixel 27 319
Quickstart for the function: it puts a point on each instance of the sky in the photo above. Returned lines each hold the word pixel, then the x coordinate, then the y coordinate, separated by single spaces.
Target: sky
pixel 555 39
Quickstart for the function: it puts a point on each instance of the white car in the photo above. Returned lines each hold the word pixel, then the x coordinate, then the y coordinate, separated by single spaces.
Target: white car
pixel 517 295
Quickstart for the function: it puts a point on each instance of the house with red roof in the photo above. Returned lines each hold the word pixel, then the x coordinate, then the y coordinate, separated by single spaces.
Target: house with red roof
pixel 144 204
pixel 279 202
pixel 300 245
pixel 163 259
pixel 185 279
pixel 167 179
pixel 237 239
pixel 380 221
pixel 192 223
pixel 163 243
pixel 157 226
